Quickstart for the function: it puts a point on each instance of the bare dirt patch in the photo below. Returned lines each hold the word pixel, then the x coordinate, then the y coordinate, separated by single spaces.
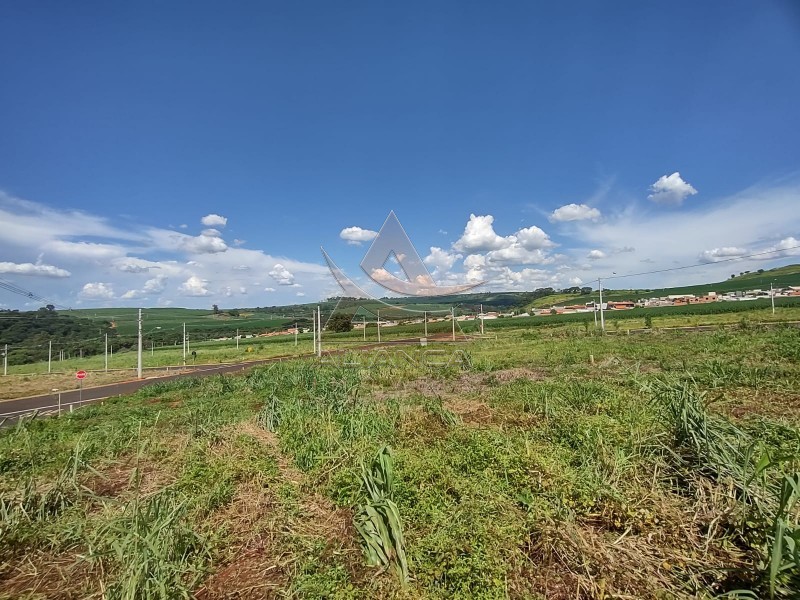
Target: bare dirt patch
pixel 131 473
pixel 748 402
pixel 260 562
pixel 467 384
pixel 43 575
pixel 669 547
pixel 471 412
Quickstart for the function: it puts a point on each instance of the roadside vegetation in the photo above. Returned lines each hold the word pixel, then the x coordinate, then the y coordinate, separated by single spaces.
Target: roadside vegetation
pixel 561 464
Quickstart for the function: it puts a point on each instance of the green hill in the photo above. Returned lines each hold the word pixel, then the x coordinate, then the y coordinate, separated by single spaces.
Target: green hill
pixel 780 277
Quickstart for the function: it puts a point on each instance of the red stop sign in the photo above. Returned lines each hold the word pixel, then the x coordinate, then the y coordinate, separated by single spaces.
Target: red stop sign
pixel 80 375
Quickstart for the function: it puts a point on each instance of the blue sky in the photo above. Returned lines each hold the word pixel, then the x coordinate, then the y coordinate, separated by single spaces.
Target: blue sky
pixel 673 129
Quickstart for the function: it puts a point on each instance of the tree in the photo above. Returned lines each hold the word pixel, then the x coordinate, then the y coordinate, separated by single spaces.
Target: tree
pixel 215 308
pixel 339 323
pixel 586 291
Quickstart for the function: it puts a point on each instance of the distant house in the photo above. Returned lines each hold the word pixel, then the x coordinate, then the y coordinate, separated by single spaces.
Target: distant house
pixel 577 308
pixel 702 299
pixel 621 305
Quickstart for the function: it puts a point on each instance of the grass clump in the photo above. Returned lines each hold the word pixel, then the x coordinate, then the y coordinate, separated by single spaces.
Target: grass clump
pixel 147 550
pixel 378 519
pixel 765 485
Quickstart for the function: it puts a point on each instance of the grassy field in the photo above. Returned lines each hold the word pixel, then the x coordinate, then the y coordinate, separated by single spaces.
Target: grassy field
pixel 30 379
pixel 556 464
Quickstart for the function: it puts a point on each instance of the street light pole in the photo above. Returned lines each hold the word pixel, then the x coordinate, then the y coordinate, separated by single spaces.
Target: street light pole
pixel 772 297
pixel 319 332
pixel 602 319
pixel 314 330
pixel 139 348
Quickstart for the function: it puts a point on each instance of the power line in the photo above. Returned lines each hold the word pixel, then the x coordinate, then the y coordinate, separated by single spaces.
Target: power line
pixel 11 287
pixel 716 262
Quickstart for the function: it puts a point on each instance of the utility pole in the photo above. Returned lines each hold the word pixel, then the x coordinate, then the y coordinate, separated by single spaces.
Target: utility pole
pixel 602 320
pixel 106 353
pixel 237 338
pixel 379 327
pixel 365 328
pixel 152 348
pixel 49 355
pixel 5 361
pixel 481 319
pixel 139 348
pixel 314 329
pixel 295 333
pixel 772 297
pixel 453 319
pixel 594 310
pixel 425 320
pixel 184 344
pixel 319 332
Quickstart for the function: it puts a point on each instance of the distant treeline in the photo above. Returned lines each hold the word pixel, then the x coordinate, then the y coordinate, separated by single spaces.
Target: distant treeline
pixel 464 303
pixel 29 334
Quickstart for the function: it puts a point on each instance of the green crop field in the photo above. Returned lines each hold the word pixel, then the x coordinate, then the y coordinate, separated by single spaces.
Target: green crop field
pixel 547 462
pixel 171 320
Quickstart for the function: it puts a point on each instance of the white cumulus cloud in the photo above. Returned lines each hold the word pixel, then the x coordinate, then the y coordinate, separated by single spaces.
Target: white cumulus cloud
pixel 575 212
pixel 214 220
pixel 533 238
pixel 203 244
pixel 97 291
pixel 441 260
pixel 357 235
pixel 722 253
pixel 671 190
pixel 281 275
pixel 479 236
pixel 194 286
pixel 33 269
pixel 789 246
pixel 596 255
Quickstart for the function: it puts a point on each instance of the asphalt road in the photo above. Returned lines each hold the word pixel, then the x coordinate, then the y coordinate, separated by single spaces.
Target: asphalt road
pixel 11 410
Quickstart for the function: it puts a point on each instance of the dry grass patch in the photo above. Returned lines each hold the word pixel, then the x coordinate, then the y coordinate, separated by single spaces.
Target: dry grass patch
pixel 265 533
